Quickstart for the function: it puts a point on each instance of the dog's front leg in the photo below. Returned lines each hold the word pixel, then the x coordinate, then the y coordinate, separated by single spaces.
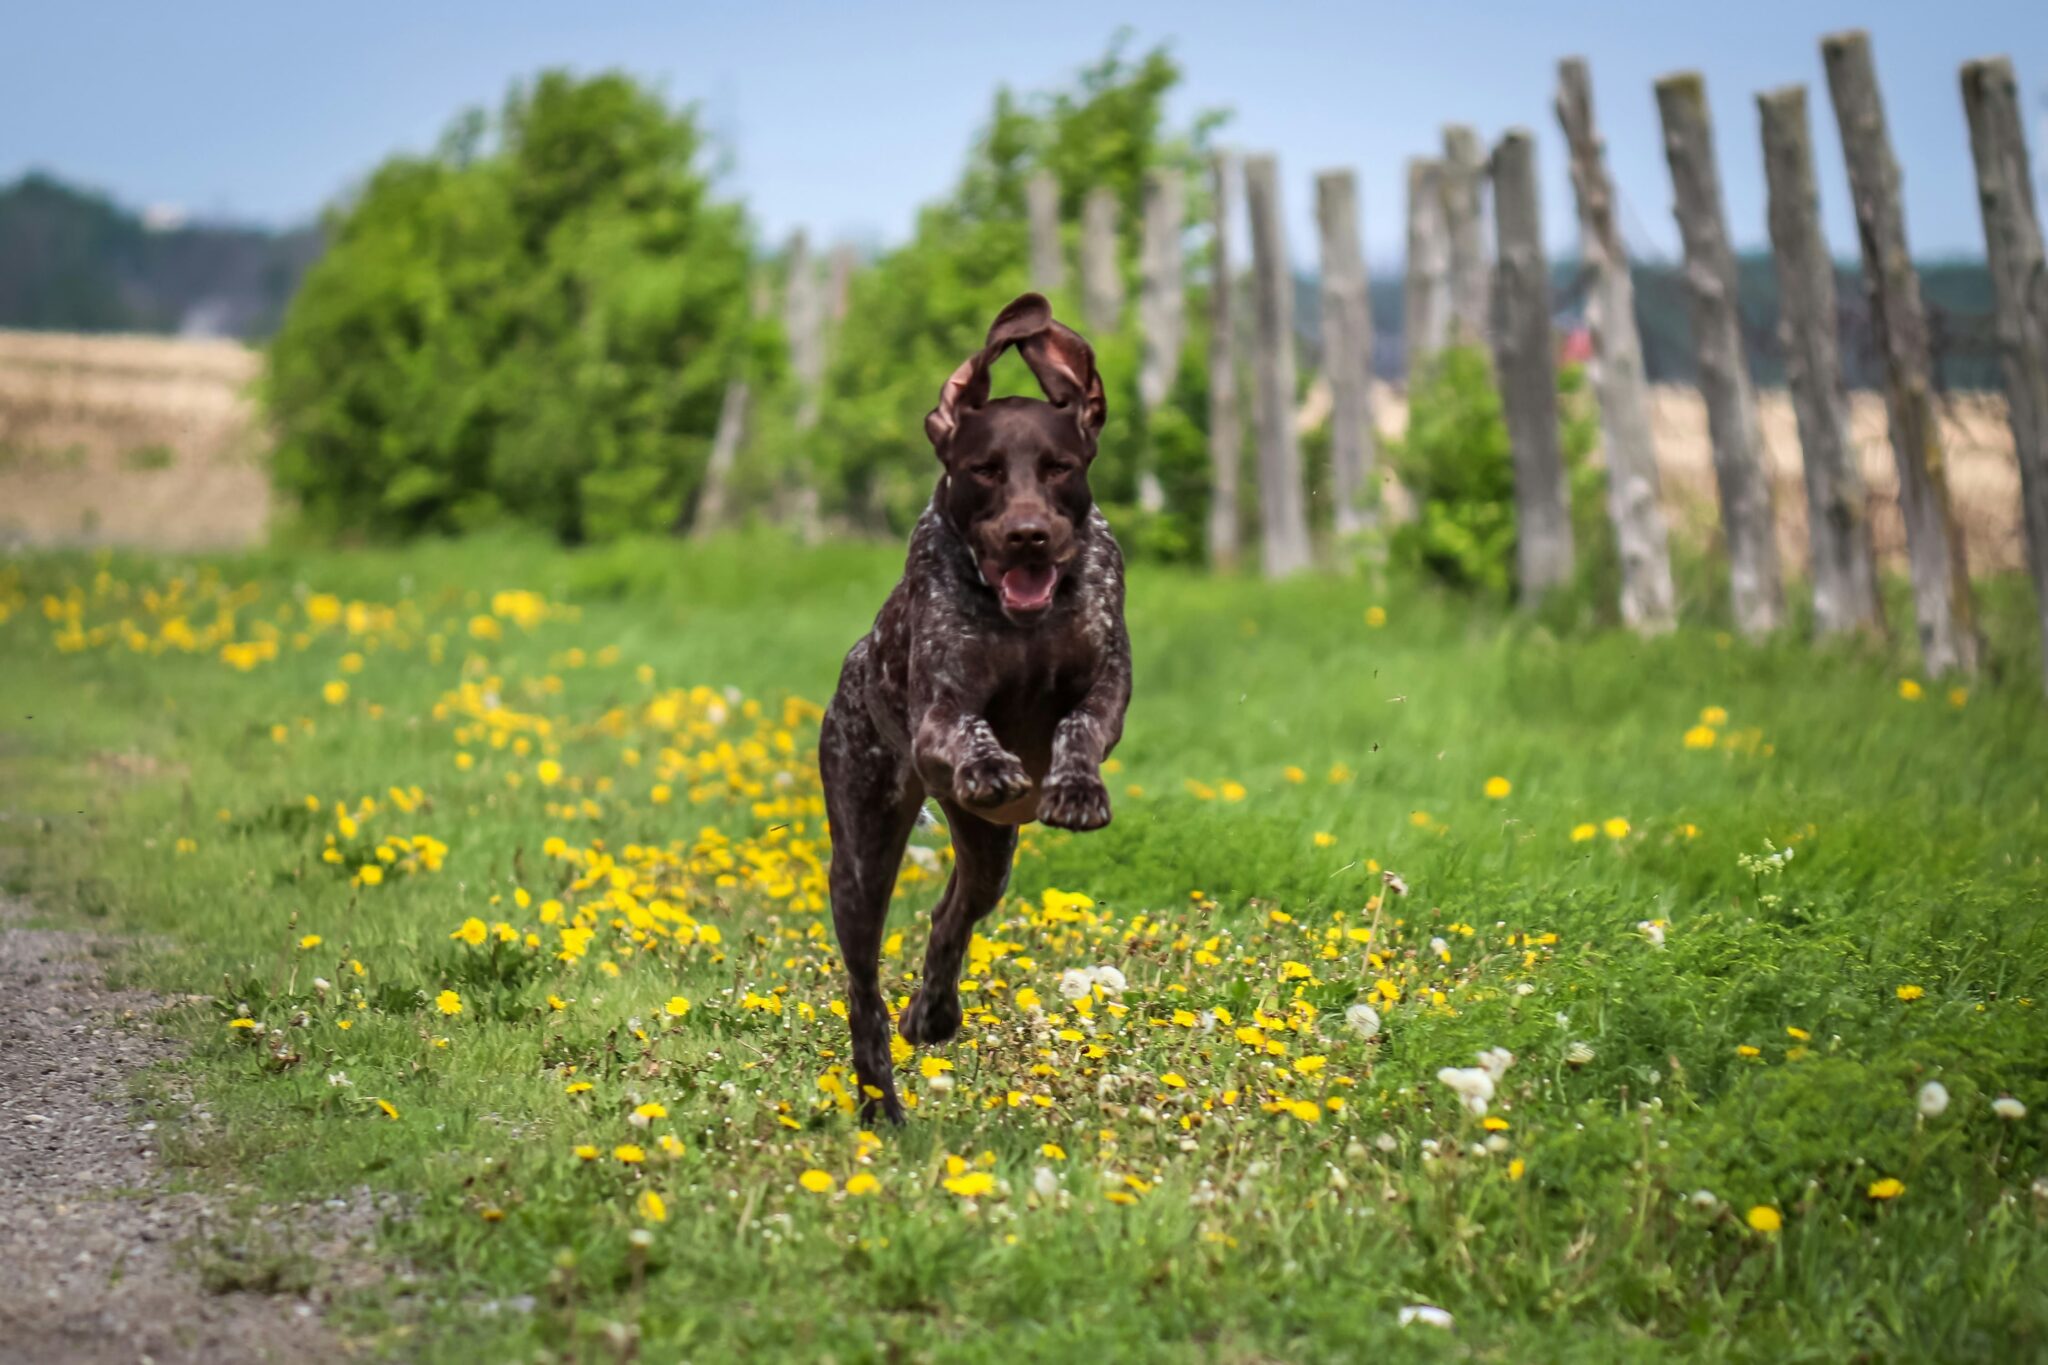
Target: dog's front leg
pixel 957 754
pixel 1073 796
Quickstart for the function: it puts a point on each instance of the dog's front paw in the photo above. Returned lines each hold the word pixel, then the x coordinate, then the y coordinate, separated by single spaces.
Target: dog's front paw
pixel 929 1019
pixel 1079 802
pixel 991 782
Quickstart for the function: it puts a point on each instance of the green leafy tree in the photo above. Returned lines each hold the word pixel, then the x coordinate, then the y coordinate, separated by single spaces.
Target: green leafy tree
pixel 923 307
pixel 535 324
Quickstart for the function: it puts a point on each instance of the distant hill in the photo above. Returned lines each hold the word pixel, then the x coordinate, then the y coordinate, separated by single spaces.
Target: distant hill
pixel 72 260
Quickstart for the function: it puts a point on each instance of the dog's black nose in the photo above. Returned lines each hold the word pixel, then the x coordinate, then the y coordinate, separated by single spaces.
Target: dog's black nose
pixel 1028 535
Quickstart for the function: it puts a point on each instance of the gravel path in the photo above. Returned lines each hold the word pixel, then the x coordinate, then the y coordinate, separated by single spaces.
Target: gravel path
pixel 95 1263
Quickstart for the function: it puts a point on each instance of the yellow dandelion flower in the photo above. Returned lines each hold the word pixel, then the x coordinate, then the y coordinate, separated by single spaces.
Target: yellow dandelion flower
pixel 1324 839
pixel 448 1002
pixel 1958 696
pixel 934 1066
pixel 472 931
pixel 310 941
pixel 243 1023
pixel 335 693
pixel 586 1152
pixel 1888 1188
pixel 390 1109
pixel 1764 1218
pixel 1294 774
pixel 576 1088
pixel 1375 617
pixel 1515 1168
pixel 1054 1152
pixel 863 1183
pixel 1233 791
pixel 631 1153
pixel 1615 828
pixel 1910 690
pixel 1581 833
pixel 651 1207
pixel 548 771
pixel 369 874
pixel 1701 737
pixel 970 1185
pixel 676 1007
pixel 1175 1080
pixel 1910 992
pixel 1497 788
pixel 653 1109
pixel 816 1181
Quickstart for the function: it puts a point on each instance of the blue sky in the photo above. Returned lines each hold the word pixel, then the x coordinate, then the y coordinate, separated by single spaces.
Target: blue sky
pixel 842 118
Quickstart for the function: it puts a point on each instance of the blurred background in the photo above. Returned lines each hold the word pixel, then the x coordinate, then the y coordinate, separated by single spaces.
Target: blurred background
pixel 666 269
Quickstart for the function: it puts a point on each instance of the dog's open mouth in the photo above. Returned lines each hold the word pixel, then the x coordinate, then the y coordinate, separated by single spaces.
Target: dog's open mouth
pixel 1027 588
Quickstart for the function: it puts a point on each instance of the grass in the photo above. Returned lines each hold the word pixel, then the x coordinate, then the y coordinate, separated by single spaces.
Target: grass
pixel 1738 906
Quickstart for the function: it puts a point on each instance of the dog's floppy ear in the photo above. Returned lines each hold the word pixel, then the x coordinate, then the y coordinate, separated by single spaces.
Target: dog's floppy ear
pixel 1065 365
pixel 967 389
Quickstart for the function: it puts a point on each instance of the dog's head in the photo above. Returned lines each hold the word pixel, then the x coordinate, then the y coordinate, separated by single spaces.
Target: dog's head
pixel 1016 484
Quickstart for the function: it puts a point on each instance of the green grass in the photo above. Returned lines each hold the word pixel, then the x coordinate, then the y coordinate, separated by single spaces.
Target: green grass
pixel 1255 1218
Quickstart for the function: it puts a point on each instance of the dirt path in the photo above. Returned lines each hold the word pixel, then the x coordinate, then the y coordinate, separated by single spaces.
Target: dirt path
pixel 94 1259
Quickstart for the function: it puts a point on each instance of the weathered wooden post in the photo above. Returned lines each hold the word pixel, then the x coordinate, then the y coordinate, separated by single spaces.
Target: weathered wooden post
pixel 1283 515
pixel 1463 185
pixel 1226 430
pixel 1732 423
pixel 1042 209
pixel 839 289
pixel 1527 365
pixel 1845 593
pixel 1347 349
pixel 803 321
pixel 1102 281
pixel 713 512
pixel 1162 313
pixel 2019 278
pixel 1942 600
pixel 1426 305
pixel 1649 602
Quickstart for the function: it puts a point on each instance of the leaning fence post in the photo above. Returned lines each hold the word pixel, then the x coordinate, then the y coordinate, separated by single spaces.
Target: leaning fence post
pixel 1102 280
pixel 1347 349
pixel 2019 279
pixel 1042 209
pixel 1283 515
pixel 1226 430
pixel 1942 600
pixel 1464 189
pixel 1527 367
pixel 734 412
pixel 1425 302
pixel 1723 369
pixel 1845 593
pixel 1162 314
pixel 1648 599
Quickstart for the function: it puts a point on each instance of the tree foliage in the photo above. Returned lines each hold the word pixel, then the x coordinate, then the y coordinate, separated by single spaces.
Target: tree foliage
pixel 534 324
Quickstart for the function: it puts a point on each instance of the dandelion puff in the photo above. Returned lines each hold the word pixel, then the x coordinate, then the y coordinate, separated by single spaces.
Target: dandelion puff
pixel 1386 1142
pixel 1075 983
pixel 1045 1181
pixel 1933 1100
pixel 1473 1086
pixel 1706 1201
pixel 1429 1315
pixel 1652 931
pixel 1392 881
pixel 1496 1061
pixel 1364 1020
pixel 2006 1107
pixel 1524 988
pixel 1109 978
pixel 1578 1054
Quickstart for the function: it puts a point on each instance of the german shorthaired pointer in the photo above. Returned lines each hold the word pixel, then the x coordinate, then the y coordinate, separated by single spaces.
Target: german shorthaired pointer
pixel 994 680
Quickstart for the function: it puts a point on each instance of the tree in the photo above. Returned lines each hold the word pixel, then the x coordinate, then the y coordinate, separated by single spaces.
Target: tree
pixel 534 324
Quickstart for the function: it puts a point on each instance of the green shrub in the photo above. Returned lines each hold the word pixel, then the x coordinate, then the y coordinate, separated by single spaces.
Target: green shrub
pixel 1456 462
pixel 534 325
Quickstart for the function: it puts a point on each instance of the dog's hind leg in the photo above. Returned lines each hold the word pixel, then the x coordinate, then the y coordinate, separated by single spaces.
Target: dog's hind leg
pixel 981 873
pixel 872 801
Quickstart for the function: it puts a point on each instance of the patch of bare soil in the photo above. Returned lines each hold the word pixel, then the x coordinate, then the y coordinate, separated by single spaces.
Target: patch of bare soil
pixel 100 1262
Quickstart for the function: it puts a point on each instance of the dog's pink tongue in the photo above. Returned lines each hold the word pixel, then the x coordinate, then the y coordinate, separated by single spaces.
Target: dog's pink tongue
pixel 1029 587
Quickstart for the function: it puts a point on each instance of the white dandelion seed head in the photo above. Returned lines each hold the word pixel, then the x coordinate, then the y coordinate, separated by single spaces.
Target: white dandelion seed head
pixel 1363 1019
pixel 1386 1142
pixel 1578 1054
pixel 1473 1086
pixel 940 1084
pixel 1109 978
pixel 1652 931
pixel 1429 1315
pixel 1496 1060
pixel 1438 946
pixel 1075 983
pixel 1045 1181
pixel 1705 1200
pixel 1933 1100
pixel 2006 1107
pixel 1524 988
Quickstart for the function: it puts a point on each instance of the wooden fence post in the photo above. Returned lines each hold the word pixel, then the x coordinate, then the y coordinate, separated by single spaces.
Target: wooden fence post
pixel 1425 303
pixel 1649 602
pixel 1942 600
pixel 803 321
pixel 1526 360
pixel 1845 593
pixel 2012 242
pixel 1226 431
pixel 1723 369
pixel 1162 314
pixel 734 411
pixel 1464 187
pixel 1102 280
pixel 1042 207
pixel 1347 350
pixel 1283 515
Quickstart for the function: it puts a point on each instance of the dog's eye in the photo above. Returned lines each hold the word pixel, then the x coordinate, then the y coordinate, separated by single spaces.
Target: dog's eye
pixel 1059 469
pixel 992 470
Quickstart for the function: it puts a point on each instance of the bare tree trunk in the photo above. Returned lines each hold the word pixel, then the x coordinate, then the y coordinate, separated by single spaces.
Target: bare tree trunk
pixel 839 292
pixel 1464 192
pixel 1845 593
pixel 2012 242
pixel 1226 431
pixel 1042 204
pixel 1942 601
pixel 1347 349
pixel 1724 370
pixel 1102 282
pixel 1283 516
pixel 1527 363
pixel 1426 303
pixel 803 321
pixel 1162 315
pixel 1649 601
